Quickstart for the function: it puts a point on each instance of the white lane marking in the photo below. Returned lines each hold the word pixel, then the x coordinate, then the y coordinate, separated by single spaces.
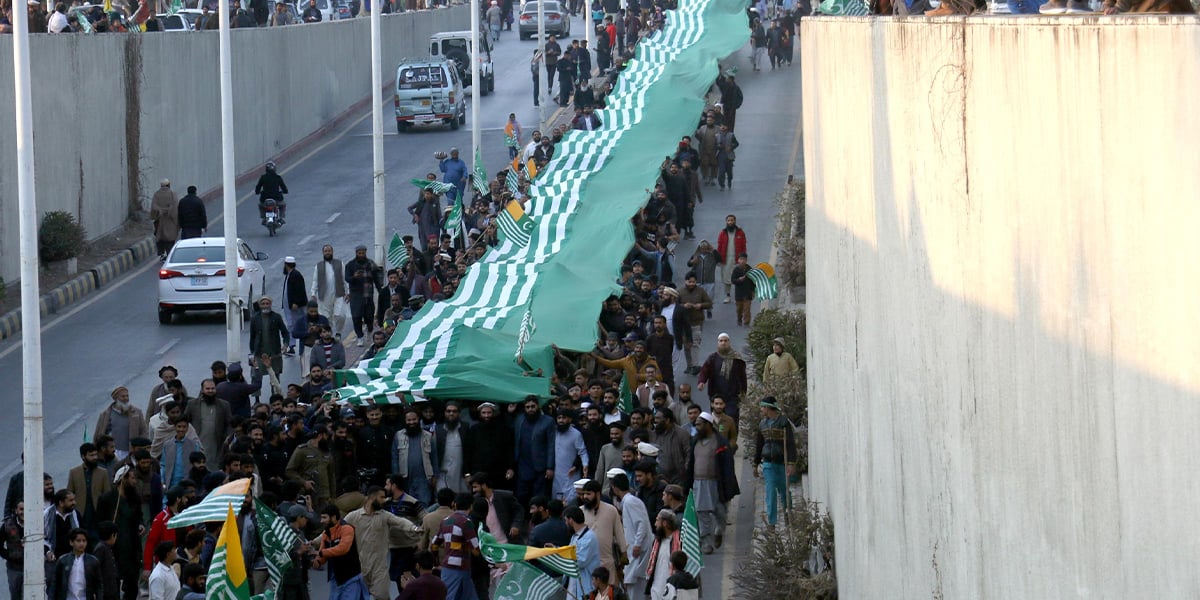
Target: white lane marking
pixel 167 346
pixel 65 426
pixel 332 218
pixel 304 240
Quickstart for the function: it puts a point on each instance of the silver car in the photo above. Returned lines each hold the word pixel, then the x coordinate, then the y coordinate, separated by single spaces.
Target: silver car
pixel 558 20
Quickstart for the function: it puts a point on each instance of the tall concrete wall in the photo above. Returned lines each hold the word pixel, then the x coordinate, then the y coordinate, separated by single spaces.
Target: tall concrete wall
pixel 114 114
pixel 1003 278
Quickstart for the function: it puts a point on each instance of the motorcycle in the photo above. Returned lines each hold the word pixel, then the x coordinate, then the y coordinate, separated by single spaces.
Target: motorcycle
pixel 271 215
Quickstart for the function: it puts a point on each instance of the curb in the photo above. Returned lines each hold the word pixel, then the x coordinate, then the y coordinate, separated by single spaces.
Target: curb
pixel 83 284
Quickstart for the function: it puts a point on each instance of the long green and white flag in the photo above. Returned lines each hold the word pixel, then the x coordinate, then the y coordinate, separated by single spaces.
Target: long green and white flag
pixel 690 537
pixel 625 396
pixel 227 574
pixel 514 225
pixel 479 175
pixel 397 252
pixel 275 539
pixel 214 505
pixel 766 286
pixel 438 187
pixel 560 560
pixel 527 329
pixel 523 582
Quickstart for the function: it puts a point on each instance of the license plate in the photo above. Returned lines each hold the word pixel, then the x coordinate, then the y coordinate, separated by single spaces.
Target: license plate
pixel 199 281
pixel 426 102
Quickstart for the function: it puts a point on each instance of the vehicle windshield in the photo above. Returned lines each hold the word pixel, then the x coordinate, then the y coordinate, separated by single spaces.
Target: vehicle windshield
pixel 199 254
pixel 416 78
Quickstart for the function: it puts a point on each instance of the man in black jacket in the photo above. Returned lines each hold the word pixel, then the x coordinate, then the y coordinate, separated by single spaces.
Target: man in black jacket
pixel 295 295
pixel 193 219
pixel 268 337
pixel 490 446
pixel 504 505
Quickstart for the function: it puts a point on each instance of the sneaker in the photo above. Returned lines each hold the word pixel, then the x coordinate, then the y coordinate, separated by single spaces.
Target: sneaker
pixel 1077 7
pixel 358 342
pixel 1053 7
pixel 291 351
pixel 727 299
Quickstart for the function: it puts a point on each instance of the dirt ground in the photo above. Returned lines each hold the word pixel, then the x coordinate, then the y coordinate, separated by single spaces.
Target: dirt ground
pixel 55 274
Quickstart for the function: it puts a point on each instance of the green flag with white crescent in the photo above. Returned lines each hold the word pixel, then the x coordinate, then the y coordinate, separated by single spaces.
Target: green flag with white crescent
pixel 766 286
pixel 479 176
pixel 275 539
pixel 397 252
pixel 438 187
pixel 454 219
pixel 523 582
pixel 560 559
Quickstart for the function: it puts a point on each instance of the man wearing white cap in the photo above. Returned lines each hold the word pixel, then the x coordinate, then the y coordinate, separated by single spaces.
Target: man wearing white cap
pixel 724 374
pixel 295 297
pixel 710 477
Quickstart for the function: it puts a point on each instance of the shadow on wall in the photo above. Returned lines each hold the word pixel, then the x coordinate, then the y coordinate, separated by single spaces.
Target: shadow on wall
pixel 1003 393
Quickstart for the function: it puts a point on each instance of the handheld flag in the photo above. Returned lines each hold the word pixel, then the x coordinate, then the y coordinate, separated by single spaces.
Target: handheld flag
pixel 766 286
pixel 479 175
pixel 397 252
pixel 514 225
pixel 512 182
pixel 212 508
pixel 85 435
pixel 275 538
pixel 531 169
pixel 690 537
pixel 227 574
pixel 438 187
pixel 560 560
pixel 454 219
pixel 523 582
pixel 626 396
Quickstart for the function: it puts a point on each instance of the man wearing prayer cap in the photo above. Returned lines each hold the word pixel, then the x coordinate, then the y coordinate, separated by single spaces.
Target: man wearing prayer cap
pixel 724 374
pixel 121 420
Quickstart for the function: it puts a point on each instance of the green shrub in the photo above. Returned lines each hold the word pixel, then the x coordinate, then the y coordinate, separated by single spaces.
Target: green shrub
pixel 770 324
pixel 794 561
pixel 60 237
pixel 791 394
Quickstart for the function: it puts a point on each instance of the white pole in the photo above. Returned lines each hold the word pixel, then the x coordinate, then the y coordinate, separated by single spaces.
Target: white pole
pixel 233 309
pixel 541 23
pixel 589 36
pixel 31 318
pixel 377 134
pixel 476 87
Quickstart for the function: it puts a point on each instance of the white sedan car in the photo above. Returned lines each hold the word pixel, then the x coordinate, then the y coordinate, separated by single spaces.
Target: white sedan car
pixel 193 277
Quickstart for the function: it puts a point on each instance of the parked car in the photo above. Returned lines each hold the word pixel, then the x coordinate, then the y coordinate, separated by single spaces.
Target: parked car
pixel 193 277
pixel 455 46
pixel 558 21
pixel 429 91
pixel 175 22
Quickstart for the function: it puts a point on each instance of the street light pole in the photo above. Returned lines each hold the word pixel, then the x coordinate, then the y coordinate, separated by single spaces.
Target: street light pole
pixel 377 134
pixel 31 318
pixel 233 308
pixel 541 22
pixel 476 87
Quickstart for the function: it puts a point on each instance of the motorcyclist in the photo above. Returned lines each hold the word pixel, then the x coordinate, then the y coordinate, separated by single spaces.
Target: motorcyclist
pixel 270 185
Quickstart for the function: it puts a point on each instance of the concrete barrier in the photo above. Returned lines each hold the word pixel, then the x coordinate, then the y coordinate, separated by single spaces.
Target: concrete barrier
pixel 114 114
pixel 1002 266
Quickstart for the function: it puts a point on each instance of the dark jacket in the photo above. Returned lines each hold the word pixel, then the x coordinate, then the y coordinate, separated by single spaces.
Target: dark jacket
pixel 356 285
pixel 464 434
pixel 490 448
pixel 535 443
pixel 109 573
pixel 297 292
pixel 509 512
pixel 268 334
pixel 62 577
pixel 192 214
pixel 727 484
pixel 11 548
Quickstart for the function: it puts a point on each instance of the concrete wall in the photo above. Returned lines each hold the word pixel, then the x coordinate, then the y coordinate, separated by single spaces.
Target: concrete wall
pixel 114 114
pixel 1003 278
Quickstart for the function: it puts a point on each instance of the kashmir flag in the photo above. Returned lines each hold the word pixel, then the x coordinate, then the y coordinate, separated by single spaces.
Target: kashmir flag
pixel 626 396
pixel 479 175
pixel 531 169
pixel 512 182
pixel 227 575
pixel 397 252
pixel 523 582
pixel 455 218
pixel 276 538
pixel 560 560
pixel 212 508
pixel 844 8
pixel 690 537
pixel 514 224
pixel 766 286
pixel 438 187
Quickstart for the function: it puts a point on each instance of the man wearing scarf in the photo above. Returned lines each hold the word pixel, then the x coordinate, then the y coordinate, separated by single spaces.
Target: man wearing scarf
pixel 724 374
pixel 122 420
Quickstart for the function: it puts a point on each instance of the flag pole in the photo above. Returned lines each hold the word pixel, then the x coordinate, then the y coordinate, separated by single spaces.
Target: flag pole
pixel 377 134
pixel 233 309
pixel 31 318
pixel 477 85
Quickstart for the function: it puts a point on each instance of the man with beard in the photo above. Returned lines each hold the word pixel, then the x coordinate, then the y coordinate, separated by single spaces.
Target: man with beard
pixel 237 392
pixel 306 329
pixel 667 541
pixel 661 400
pixel 728 250
pixel 673 443
pixel 634 365
pixel 605 521
pixel 88 482
pixel 595 433
pixel 121 420
pixel 362 280
pixel 534 451
pixel 660 345
pixel 726 426
pixel 339 547
pixel 450 439
pixel 651 386
pixel 413 457
pixel 694 301
pixel 505 519
pixel 610 455
pixel 342 447
pixel 611 404
pixel 374 444
pixel 375 531
pixel 108 453
pixel 490 447
pixel 724 374
pixel 167 374
pixel 149 485
pixel 568 446
pixel 272 458
pixel 587 551
pixel 295 298
pixel 328 286
pixel 162 428
pixel 313 465
pixel 212 418
pixel 636 522
pixel 710 477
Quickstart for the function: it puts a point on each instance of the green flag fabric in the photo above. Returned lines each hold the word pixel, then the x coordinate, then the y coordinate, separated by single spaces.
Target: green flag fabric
pixel 438 187
pixel 454 219
pixel 514 225
pixel 580 203
pixel 689 534
pixel 212 508
pixel 560 560
pixel 626 396
pixel 275 539
pixel 397 252
pixel 844 8
pixel 227 573
pixel 512 182
pixel 479 175
pixel 766 286
pixel 523 582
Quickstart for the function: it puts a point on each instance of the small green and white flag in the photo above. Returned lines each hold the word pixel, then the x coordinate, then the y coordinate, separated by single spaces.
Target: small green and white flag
pixel 438 187
pixel 397 252
pixel 276 538
pixel 514 225
pixel 766 286
pixel 689 535
pixel 625 396
pixel 454 218
pixel 479 175
pixel 513 182
pixel 523 582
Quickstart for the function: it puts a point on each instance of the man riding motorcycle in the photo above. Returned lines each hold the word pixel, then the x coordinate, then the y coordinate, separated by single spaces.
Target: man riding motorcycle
pixel 271 186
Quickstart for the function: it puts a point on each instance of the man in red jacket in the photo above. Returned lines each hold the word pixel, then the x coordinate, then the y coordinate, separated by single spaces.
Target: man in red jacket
pixel 727 253
pixel 159 531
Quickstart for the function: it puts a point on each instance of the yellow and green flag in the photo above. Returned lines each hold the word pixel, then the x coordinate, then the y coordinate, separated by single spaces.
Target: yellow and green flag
pixel 227 575
pixel 766 286
pixel 514 224
pixel 560 560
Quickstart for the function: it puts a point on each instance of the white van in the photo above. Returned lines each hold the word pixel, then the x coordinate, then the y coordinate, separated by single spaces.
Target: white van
pixel 429 91
pixel 455 46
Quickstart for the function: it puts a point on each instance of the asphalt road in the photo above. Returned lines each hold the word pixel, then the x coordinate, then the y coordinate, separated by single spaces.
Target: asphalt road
pixel 114 338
